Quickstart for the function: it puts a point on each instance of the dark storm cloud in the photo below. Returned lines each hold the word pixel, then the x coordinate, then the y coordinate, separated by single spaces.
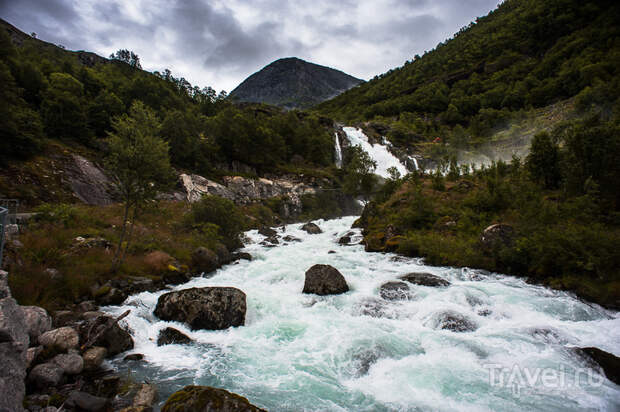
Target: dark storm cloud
pixel 220 42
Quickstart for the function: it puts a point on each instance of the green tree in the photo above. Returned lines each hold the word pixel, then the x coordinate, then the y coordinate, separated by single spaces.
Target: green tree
pixel 359 172
pixel 543 161
pixel 63 108
pixel 140 164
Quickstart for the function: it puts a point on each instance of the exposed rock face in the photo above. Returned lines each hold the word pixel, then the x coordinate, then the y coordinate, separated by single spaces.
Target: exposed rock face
pixel 244 191
pixel 211 308
pixel 394 291
pixel 146 396
pixel 115 339
pixel 89 183
pixel 207 399
pixel 311 228
pixel 293 83
pixel 497 235
pixel 60 339
pixel 37 321
pixel 171 336
pixel 14 343
pixel 610 363
pixel 424 279
pixel 325 280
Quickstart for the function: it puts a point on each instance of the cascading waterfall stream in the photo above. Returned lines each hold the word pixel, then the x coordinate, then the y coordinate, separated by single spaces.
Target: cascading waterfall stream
pixel 378 152
pixel 359 352
pixel 338 151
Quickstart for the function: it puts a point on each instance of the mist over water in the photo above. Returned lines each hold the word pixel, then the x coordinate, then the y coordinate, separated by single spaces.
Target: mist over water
pixel 358 352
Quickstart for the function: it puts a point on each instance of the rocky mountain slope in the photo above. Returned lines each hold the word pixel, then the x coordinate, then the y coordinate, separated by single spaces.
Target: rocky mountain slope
pixel 293 83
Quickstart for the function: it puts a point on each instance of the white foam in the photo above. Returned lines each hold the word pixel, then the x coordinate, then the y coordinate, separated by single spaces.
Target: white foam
pixel 306 352
pixel 378 152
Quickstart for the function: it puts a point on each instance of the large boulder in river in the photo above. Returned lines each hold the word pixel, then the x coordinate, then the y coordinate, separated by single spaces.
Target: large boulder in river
pixel 171 336
pixel 45 375
pixel 311 228
pixel 207 399
pixel 609 362
pixel 424 279
pixel 324 280
pixel 211 308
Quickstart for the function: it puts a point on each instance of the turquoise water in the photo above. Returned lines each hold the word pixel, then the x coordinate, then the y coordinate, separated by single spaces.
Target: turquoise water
pixel 357 352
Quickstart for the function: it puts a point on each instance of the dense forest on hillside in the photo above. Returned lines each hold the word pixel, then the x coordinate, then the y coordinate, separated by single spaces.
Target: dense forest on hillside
pixel 525 54
pixel 50 93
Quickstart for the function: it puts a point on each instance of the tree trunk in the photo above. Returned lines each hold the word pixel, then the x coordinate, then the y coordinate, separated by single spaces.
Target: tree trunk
pixel 119 248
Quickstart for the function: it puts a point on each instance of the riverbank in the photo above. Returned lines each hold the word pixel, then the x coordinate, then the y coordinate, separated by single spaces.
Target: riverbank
pixel 499 220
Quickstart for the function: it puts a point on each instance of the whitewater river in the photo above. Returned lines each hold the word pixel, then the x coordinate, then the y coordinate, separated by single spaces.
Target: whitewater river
pixel 358 352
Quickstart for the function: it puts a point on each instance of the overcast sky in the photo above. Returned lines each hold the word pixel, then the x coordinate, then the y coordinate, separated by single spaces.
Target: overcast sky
pixel 219 43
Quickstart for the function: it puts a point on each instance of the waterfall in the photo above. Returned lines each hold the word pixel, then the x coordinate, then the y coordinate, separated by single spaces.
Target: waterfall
pixel 377 152
pixel 415 162
pixel 338 151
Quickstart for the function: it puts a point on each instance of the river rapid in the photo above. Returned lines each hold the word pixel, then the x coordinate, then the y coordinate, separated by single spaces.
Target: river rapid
pixel 359 352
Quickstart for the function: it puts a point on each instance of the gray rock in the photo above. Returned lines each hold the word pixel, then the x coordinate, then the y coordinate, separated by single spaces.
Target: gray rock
pixel 497 235
pixel 115 296
pixel 145 397
pixel 115 339
pixel 242 255
pixel 64 318
pixel 609 363
pixel 169 336
pixel 395 291
pixel 289 238
pixel 211 308
pixel 424 279
pixel 37 322
pixel 208 399
pixel 14 343
pixel 173 277
pixel 86 401
pixel 61 339
pixel 71 364
pixel 134 357
pixel 32 353
pixel 311 228
pixel 93 357
pixel 45 375
pixel 267 231
pixel 204 260
pixel 87 306
pixel 344 240
pixel 455 322
pixel 324 280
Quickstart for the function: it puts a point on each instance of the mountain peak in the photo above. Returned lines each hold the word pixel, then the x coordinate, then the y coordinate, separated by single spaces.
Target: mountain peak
pixel 291 82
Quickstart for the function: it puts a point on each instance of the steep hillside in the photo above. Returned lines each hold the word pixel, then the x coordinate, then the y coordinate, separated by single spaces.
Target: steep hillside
pixel 53 96
pixel 293 83
pixel 525 54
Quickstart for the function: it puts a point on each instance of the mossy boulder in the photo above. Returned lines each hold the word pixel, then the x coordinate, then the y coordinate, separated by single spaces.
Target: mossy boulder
pixel 374 242
pixel 392 244
pixel 210 308
pixel 207 399
pixel 325 280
